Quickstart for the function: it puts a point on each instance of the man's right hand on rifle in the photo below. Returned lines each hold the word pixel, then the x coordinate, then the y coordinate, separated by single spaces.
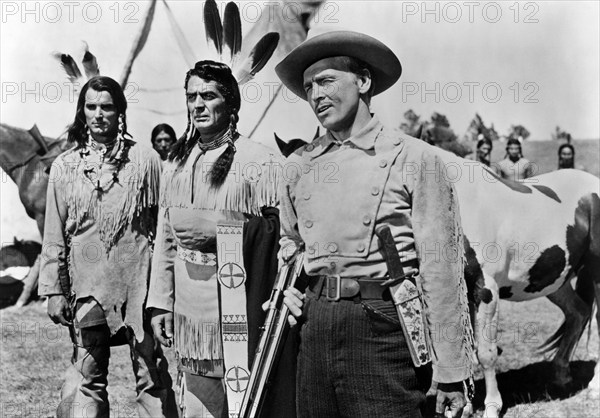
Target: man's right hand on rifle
pixel 294 300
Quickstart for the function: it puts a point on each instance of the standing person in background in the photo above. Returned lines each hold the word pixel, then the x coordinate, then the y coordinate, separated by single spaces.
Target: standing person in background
pixel 484 151
pixel 163 138
pixel 100 221
pixel 514 166
pixel 566 156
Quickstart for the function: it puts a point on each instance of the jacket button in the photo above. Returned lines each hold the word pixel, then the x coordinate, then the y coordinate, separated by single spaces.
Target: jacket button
pixel 309 147
pixel 333 247
pixel 307 169
pixel 383 163
pixel 367 220
pixel 306 196
pixel 308 224
pixel 361 248
pixel 310 249
pixel 375 191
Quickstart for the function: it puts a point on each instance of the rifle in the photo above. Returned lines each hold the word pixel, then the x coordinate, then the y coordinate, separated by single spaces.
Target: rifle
pixel 272 339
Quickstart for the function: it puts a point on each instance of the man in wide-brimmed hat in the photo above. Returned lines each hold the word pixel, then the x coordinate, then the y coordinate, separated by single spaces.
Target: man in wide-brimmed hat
pixel 355 359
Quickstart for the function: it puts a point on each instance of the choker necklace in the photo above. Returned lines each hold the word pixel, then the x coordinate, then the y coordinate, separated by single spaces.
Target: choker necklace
pixel 226 138
pixel 214 144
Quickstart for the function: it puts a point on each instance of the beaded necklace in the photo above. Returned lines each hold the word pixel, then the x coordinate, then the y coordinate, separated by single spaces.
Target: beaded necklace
pixel 118 150
pixel 226 138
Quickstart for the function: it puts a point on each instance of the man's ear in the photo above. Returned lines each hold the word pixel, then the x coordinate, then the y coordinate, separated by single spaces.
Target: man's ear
pixel 364 82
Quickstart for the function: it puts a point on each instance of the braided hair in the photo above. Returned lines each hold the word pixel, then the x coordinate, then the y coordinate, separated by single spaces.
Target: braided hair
pixel 228 87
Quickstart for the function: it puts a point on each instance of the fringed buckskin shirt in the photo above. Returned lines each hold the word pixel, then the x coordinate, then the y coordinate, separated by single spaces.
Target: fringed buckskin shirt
pixel 335 194
pixel 189 211
pixel 105 236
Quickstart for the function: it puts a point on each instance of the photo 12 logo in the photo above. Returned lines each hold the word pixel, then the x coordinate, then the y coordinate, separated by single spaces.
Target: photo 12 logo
pixel 53 92
pixel 70 11
pixel 289 11
pixel 469 11
pixel 470 91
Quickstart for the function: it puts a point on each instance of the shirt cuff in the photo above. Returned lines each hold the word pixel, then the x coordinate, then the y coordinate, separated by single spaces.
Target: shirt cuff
pixel 49 290
pixel 443 374
pixel 159 303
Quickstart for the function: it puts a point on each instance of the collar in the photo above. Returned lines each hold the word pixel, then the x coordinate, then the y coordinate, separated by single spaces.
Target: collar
pixel 363 139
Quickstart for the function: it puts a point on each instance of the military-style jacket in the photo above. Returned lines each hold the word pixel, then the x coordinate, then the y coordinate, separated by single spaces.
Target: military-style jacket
pixel 335 194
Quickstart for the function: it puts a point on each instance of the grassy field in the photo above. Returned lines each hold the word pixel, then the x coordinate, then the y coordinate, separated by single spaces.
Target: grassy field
pixel 34 352
pixel 34 355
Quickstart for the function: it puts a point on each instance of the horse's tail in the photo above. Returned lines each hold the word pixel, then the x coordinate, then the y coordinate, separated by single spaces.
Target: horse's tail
pixel 584 289
pixel 588 271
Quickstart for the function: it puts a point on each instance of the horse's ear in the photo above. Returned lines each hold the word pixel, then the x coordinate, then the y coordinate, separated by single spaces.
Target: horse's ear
pixel 280 143
pixel 419 132
pixel 39 139
pixel 17 242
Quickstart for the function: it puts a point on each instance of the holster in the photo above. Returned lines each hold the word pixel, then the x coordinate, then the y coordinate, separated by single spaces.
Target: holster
pixel 407 299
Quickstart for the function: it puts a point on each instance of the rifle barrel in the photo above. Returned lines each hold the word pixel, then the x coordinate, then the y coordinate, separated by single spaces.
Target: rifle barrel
pixel 271 340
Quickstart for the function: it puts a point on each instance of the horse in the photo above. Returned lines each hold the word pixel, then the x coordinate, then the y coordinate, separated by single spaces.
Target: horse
pixel 26 156
pixel 16 261
pixel 22 253
pixel 525 240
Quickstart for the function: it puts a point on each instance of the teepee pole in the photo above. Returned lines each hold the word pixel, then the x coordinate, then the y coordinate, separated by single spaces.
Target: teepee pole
pixel 138 44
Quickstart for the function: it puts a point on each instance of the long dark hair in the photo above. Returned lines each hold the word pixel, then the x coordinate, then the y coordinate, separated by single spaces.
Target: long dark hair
pixel 77 131
pixel 483 141
pixel 514 141
pixel 228 87
pixel 562 147
pixel 162 127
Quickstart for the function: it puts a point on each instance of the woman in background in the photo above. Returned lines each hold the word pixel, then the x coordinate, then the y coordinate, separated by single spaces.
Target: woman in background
pixel 163 138
pixel 514 166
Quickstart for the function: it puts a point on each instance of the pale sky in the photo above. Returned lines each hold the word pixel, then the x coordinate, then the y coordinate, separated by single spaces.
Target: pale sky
pixel 530 63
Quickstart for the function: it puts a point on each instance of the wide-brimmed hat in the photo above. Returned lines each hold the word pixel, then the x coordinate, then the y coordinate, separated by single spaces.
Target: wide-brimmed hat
pixel 384 63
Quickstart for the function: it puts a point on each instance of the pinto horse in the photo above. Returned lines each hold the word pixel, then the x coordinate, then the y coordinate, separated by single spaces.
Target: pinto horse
pixel 16 262
pixel 525 240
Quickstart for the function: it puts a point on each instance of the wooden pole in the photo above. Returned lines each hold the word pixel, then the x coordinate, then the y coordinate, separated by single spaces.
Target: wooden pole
pixel 264 113
pixel 138 44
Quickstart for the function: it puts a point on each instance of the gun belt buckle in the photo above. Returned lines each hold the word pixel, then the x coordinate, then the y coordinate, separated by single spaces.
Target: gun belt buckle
pixel 333 288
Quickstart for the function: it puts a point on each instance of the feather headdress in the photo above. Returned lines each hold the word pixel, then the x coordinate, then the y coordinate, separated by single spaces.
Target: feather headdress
pixel 89 62
pixel 226 38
